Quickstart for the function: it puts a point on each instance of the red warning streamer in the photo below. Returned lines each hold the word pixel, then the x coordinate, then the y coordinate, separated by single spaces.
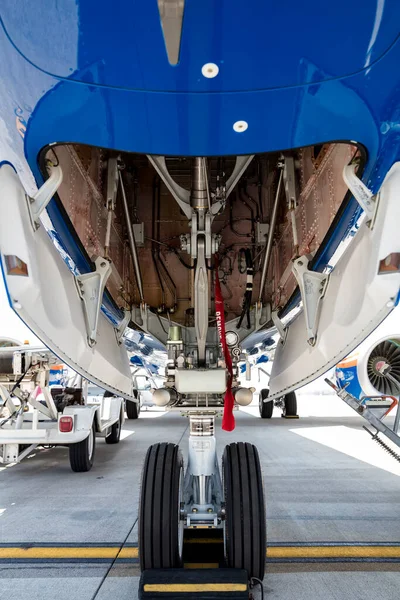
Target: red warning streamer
pixel 228 420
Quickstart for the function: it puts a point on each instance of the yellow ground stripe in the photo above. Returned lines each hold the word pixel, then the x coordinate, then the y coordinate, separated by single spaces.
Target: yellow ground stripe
pixel 60 552
pixel 195 587
pixel 333 552
pixel 275 552
pixel 128 553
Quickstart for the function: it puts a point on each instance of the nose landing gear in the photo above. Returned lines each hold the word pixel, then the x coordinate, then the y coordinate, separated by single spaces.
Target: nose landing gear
pixel 175 509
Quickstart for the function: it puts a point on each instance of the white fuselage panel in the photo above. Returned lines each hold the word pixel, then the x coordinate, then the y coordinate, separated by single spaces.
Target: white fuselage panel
pixel 42 291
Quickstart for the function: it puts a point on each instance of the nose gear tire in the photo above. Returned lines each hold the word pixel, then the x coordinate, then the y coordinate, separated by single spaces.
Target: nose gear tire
pixel 160 529
pixel 245 527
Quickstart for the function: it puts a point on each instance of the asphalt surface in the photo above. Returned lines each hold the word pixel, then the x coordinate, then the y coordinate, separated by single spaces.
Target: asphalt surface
pixel 333 511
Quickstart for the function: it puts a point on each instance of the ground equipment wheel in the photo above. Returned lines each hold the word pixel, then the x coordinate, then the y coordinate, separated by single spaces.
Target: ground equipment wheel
pixel 160 526
pixel 266 408
pixel 290 405
pixel 81 454
pixel 115 433
pixel 245 528
pixel 132 409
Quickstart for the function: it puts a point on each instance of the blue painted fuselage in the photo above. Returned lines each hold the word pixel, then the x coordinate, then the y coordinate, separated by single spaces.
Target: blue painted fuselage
pixel 298 73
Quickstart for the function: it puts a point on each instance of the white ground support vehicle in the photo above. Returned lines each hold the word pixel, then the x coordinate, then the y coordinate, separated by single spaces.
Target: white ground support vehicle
pixel 33 414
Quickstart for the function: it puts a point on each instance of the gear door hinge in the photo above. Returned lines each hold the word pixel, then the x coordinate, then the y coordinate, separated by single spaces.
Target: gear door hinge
pixel 90 288
pixel 312 289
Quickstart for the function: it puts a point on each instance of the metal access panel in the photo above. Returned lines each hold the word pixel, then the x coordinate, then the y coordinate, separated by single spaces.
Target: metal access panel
pixel 361 292
pixel 200 381
pixel 42 291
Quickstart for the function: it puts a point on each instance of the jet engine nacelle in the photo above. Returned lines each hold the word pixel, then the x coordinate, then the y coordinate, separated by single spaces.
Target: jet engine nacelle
pixel 373 370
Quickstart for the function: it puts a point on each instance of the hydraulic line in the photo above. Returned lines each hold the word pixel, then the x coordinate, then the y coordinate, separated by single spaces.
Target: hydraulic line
pixel 270 240
pixel 132 243
pixel 244 197
pixel 185 264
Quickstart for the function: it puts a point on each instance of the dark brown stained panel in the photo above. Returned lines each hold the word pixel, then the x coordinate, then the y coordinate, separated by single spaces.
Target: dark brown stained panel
pixel 321 191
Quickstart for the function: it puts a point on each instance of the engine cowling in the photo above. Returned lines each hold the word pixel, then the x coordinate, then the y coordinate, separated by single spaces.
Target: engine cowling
pixel 373 370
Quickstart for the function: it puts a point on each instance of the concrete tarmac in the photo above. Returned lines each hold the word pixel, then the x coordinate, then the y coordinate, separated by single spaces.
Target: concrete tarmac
pixel 333 511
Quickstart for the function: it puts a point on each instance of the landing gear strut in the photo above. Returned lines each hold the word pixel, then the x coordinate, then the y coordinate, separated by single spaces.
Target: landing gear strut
pixel 175 508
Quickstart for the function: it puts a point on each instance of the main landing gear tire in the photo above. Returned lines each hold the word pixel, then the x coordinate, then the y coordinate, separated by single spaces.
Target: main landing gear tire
pixel 245 527
pixel 290 405
pixel 266 408
pixel 132 409
pixel 115 433
pixel 81 454
pixel 160 526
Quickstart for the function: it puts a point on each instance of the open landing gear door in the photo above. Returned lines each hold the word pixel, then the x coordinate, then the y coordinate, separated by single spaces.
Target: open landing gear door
pixel 360 292
pixel 43 292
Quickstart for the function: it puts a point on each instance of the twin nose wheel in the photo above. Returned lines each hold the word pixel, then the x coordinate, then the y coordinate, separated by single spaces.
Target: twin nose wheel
pixel 162 519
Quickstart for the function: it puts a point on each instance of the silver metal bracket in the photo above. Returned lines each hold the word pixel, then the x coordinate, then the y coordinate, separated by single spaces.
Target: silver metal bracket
pixel 361 193
pixel 120 330
pixel 279 325
pixel 38 203
pixel 312 288
pixel 90 288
